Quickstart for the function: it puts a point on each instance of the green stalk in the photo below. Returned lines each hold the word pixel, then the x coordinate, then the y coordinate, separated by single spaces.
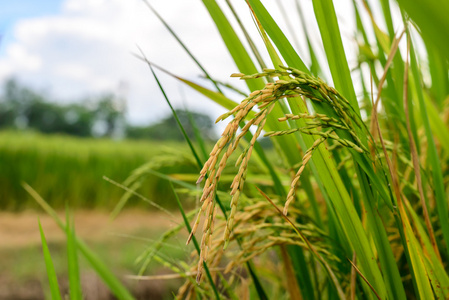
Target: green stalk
pixel 183 46
pixel 72 259
pixel 115 286
pixel 435 163
pixel 247 36
pixel 233 43
pixel 253 275
pixel 331 37
pixel 195 242
pixel 52 278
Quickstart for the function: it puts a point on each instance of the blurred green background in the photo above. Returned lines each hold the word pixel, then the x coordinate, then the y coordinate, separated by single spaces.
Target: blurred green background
pixel 64 150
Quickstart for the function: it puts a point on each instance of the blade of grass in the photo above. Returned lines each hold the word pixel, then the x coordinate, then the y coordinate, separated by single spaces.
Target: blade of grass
pixel 233 43
pixel 214 96
pixel 331 37
pixel 364 278
pixel 326 266
pixel 292 286
pixel 195 242
pixel 375 224
pixel 353 277
pixel 438 126
pixel 172 32
pixel 72 259
pixel 52 278
pixel 123 201
pixel 414 256
pixel 415 157
pixel 418 269
pixel 189 142
pixel 100 268
pixel 198 137
pixel 438 276
pixel 435 163
pixel 314 64
pixel 168 276
pixel 247 36
pixel 394 78
pixel 279 39
pixel 301 272
pixel 431 17
pixel 440 81
pixel 398 70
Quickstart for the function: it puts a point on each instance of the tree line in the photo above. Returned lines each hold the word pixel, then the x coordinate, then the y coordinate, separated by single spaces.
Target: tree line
pixel 26 109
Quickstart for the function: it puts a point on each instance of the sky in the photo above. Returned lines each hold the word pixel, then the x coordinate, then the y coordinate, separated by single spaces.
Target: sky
pixel 73 49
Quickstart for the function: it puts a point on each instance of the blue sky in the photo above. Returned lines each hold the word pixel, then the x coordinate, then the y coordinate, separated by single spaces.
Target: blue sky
pixel 13 11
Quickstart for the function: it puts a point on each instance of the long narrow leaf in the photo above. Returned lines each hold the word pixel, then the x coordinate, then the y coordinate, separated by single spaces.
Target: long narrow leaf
pixel 195 242
pixel 52 278
pixel 172 32
pixel 72 259
pixel 437 174
pixel 233 43
pixel 431 17
pixel 100 268
pixel 338 64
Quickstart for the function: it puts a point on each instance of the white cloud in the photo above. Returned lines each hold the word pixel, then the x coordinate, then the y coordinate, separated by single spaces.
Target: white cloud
pixel 86 50
pixel 25 60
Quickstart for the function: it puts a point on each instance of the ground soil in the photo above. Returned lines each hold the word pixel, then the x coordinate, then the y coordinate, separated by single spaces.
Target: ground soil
pixel 20 231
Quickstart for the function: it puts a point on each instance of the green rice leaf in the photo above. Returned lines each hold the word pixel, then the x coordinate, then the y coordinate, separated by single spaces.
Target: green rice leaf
pixel 438 126
pixel 198 137
pixel 438 67
pixel 233 44
pixel 431 18
pixel 435 163
pixel 331 37
pixel 52 278
pixel 435 269
pixel 417 259
pixel 315 68
pixel 172 32
pixel 115 286
pixel 195 242
pixel 279 39
pixel 72 259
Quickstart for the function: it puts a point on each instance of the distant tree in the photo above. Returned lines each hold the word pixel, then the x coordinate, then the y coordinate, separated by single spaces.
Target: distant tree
pixel 21 107
pixel 15 104
pixel 167 128
pixel 109 115
pixel 78 120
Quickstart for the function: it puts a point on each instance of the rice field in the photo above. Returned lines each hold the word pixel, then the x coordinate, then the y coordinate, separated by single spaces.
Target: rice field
pixel 68 170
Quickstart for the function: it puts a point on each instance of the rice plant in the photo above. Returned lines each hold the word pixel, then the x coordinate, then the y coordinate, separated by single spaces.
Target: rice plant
pixel 362 179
